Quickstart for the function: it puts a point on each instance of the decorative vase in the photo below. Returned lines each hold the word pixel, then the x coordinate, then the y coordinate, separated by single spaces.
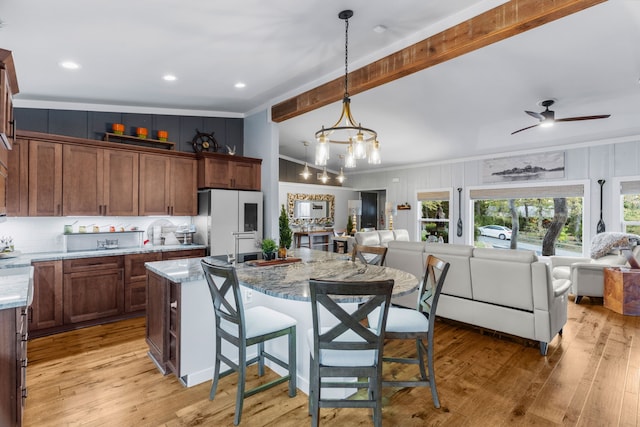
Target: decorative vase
pixel 282 253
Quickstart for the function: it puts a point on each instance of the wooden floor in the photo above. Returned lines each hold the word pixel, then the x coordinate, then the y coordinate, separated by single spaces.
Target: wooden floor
pixel 101 376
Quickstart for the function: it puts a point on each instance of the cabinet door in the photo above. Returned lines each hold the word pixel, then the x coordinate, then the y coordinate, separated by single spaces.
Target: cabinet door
pixel 246 176
pixel 157 319
pixel 82 180
pixel 120 183
pixel 45 179
pixel 93 294
pixel 18 179
pixel 185 187
pixel 155 184
pixel 9 368
pixel 135 276
pixel 214 173
pixel 46 310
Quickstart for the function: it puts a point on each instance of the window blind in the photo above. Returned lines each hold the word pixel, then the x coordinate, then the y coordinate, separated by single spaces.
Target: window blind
pixel 551 191
pixel 630 187
pixel 433 195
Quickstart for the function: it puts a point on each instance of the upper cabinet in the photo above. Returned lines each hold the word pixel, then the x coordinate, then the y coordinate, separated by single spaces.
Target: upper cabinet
pixel 228 172
pixel 8 88
pixel 99 181
pixel 44 177
pixel 168 185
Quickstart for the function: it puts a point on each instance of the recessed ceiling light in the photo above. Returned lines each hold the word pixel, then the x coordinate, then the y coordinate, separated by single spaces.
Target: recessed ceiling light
pixel 70 65
pixel 379 29
pixel 169 77
pixel 240 85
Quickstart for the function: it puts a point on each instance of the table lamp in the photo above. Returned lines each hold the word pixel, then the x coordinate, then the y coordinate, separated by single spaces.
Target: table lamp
pixel 390 210
pixel 355 208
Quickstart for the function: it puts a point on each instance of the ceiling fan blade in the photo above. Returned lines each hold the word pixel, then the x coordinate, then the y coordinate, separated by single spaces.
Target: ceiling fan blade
pixel 575 119
pixel 528 127
pixel 538 116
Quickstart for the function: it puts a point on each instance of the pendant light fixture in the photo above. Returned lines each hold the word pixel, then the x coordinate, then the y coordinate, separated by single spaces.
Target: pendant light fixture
pixel 324 177
pixel 361 142
pixel 341 178
pixel 305 172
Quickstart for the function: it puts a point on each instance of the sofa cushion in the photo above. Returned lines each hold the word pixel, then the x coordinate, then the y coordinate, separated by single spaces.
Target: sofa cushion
pixel 402 235
pixel 458 281
pixel 503 277
pixel 562 272
pixel 368 238
pixel 406 256
pixel 385 237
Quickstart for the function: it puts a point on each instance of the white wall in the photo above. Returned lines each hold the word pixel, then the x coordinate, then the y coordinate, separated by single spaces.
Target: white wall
pixel 590 161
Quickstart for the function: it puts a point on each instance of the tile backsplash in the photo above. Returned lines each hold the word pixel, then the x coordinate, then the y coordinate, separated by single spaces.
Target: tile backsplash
pixel 46 234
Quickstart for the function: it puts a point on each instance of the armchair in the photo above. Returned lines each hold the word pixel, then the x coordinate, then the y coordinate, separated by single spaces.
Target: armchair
pixel 587 274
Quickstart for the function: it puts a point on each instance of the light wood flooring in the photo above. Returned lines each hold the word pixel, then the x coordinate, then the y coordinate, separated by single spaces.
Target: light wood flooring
pixel 102 376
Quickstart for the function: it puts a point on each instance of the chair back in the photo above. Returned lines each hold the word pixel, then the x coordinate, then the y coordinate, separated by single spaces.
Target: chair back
pixel 431 286
pixel 227 300
pixel 374 255
pixel 349 333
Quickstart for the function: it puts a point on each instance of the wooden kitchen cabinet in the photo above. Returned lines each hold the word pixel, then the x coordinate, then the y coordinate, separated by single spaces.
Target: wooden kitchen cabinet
pixel 157 320
pixel 45 178
pixel 99 181
pixel 168 185
pixel 183 253
pixel 135 280
pixel 228 172
pixel 18 179
pixel 46 309
pixel 13 365
pixel 93 288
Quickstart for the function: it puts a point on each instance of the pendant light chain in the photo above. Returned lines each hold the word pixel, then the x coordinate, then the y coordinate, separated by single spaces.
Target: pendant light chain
pixel 346 58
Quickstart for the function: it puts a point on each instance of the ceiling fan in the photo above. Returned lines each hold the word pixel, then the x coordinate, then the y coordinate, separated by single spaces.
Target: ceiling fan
pixel 547 117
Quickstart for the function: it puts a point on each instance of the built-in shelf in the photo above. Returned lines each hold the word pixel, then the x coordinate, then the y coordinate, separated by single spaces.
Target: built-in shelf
pixel 104 232
pixel 108 135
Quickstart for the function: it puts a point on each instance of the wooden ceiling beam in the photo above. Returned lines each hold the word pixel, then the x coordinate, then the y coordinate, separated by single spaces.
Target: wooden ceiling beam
pixel 502 22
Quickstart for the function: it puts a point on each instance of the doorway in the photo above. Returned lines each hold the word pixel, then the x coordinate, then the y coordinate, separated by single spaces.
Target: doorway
pixel 369 218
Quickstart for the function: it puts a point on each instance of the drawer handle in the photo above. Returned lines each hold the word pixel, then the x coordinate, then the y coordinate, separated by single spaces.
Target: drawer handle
pixel 174 304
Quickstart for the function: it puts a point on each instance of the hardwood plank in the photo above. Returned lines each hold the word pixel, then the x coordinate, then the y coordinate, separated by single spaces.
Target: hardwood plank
pixel 507 20
pixel 102 376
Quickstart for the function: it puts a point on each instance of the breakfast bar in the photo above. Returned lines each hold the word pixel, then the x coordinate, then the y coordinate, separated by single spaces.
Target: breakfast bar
pixel 180 318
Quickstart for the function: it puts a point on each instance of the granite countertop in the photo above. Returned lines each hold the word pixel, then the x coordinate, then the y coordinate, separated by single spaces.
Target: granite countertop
pixel 16 287
pixel 25 259
pixel 291 281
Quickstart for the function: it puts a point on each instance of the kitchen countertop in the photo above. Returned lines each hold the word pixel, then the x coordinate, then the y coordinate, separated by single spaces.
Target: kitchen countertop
pixel 25 259
pixel 16 287
pixel 291 281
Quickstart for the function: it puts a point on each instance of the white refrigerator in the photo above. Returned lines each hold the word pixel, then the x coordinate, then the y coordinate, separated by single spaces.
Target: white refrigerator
pixel 221 213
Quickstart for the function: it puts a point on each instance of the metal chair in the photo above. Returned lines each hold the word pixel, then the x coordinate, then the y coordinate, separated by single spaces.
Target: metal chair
pixel 348 348
pixel 374 255
pixel 244 328
pixel 418 325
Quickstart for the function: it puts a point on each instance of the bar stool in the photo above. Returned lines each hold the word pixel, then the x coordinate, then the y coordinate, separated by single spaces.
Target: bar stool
pixel 244 328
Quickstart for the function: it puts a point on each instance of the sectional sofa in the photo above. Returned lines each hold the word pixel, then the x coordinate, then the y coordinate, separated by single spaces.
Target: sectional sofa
pixel 377 238
pixel 510 291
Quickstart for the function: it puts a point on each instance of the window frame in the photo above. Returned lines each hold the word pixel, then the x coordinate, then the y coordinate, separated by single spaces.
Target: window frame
pixel 420 220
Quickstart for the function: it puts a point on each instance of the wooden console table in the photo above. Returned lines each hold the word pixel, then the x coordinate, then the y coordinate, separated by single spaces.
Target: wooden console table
pixel 311 235
pixel 622 290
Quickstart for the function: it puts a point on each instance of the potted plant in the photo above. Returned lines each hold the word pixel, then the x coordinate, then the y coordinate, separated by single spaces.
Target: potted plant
pixel 285 234
pixel 350 226
pixel 269 248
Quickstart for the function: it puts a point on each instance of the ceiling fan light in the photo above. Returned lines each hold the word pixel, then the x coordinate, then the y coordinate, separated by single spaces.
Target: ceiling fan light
pixel 546 123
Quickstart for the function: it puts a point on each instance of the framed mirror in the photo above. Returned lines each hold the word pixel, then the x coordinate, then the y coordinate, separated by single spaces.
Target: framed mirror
pixel 315 208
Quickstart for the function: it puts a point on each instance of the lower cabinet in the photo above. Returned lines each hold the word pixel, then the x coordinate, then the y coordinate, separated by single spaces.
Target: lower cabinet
pixel 135 280
pixel 93 288
pixel 89 291
pixel 13 365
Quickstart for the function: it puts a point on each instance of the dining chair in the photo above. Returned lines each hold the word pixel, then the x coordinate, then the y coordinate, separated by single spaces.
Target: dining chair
pixel 244 328
pixel 348 348
pixel 374 255
pixel 418 325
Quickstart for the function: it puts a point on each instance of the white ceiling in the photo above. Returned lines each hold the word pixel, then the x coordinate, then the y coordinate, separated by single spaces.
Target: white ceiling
pixel 589 62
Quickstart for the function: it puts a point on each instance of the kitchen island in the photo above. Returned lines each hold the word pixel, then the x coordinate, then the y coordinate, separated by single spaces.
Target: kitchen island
pixel 180 318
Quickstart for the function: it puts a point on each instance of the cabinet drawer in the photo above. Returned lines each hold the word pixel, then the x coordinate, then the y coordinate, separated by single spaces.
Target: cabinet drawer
pixel 90 264
pixel 134 269
pixel 188 253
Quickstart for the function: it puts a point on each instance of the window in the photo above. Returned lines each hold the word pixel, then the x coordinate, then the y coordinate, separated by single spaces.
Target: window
pixel 630 195
pixel 434 213
pixel 535 209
